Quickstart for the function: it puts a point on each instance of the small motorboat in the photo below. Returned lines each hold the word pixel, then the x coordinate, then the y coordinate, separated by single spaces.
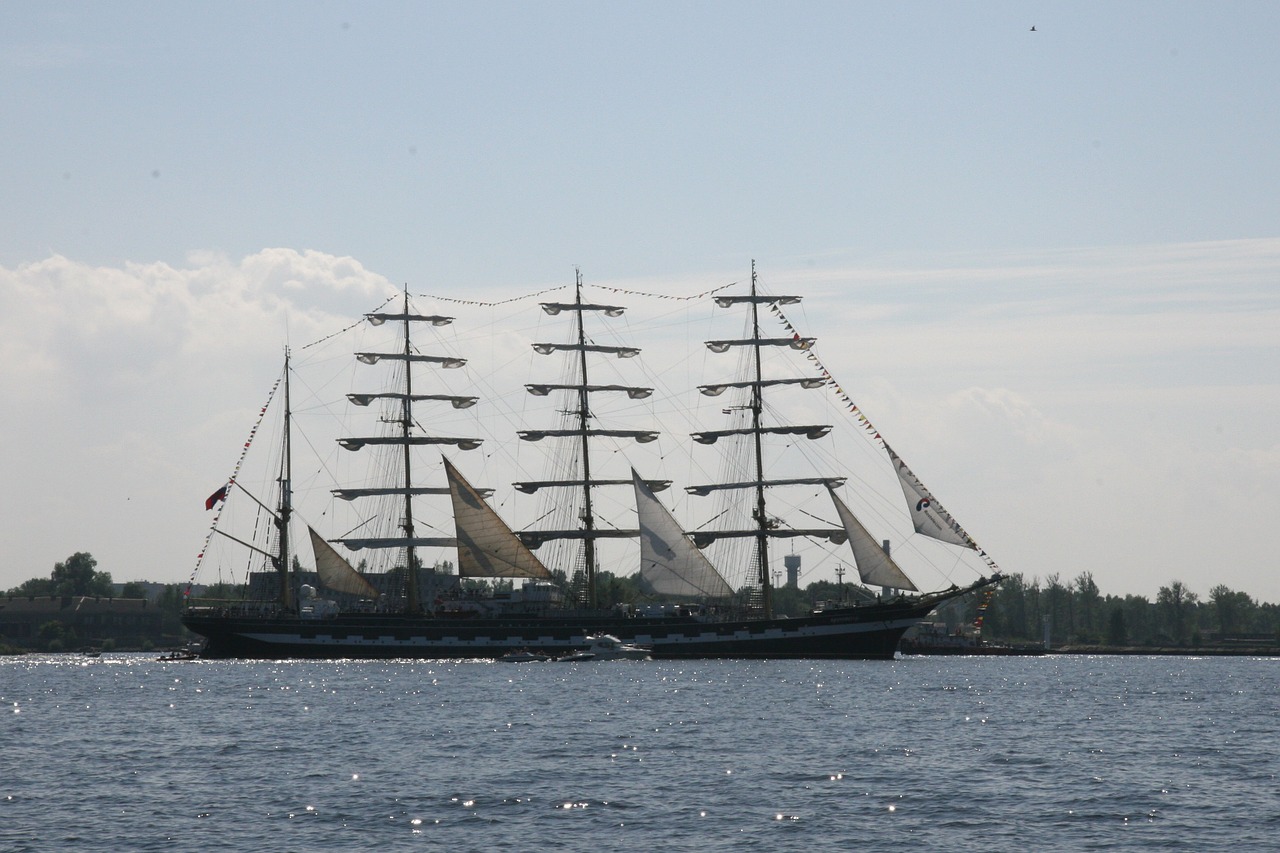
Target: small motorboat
pixel 609 647
pixel 576 656
pixel 523 656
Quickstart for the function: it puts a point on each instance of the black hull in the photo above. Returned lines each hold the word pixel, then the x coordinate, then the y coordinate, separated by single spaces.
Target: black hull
pixel 869 631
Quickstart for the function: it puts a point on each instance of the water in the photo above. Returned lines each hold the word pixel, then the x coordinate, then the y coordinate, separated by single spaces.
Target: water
pixel 956 754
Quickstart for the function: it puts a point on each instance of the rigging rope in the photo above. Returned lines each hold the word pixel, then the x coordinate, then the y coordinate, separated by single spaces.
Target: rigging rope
pixel 853 409
pixel 348 328
pixel 231 482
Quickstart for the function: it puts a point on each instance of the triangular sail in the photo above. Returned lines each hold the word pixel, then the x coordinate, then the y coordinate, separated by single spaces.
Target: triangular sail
pixel 875 566
pixel 669 563
pixel 486 546
pixel 927 515
pixel 335 572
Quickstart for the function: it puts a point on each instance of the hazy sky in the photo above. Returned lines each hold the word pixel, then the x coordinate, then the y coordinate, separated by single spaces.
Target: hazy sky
pixel 1046 264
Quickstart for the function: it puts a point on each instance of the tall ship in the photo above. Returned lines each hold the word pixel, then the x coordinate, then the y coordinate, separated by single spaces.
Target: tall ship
pixel 368 590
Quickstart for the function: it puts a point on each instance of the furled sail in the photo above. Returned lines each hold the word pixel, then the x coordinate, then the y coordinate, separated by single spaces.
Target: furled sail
pixel 927 514
pixel 620 352
pixel 642 436
pixel 532 486
pixel 435 320
pixel 458 402
pixel 486 546
pixel 446 362
pixel 704 490
pixel 335 572
pixel 716 390
pixel 796 342
pixel 669 562
pixel 874 565
pixel 554 308
pixel 542 390
pixel 411 440
pixel 813 432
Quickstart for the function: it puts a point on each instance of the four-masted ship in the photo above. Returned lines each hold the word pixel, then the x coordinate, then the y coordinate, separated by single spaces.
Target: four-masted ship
pixel 417 611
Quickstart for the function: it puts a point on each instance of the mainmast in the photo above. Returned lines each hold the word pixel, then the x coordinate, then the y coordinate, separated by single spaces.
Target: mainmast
pixel 583 432
pixel 584 415
pixel 757 405
pixel 764 527
pixel 406 438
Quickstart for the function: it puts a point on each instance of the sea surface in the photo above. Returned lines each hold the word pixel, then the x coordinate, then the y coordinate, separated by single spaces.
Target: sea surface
pixel 1062 753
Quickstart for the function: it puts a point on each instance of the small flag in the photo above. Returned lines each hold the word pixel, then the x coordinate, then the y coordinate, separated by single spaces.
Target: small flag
pixel 213 499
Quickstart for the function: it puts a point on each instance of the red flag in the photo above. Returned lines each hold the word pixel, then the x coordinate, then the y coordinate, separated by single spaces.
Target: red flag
pixel 213 499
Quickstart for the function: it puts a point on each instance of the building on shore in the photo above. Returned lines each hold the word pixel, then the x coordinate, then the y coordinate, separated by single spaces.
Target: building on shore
pixel 90 619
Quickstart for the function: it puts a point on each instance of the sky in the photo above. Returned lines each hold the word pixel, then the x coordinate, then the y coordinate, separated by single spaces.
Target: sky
pixel 1045 263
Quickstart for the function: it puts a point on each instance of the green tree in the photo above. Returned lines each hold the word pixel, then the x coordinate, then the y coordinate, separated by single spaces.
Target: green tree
pixel 1234 610
pixel 613 589
pixel 133 589
pixel 1006 617
pixel 33 587
pixel 78 575
pixel 1089 599
pixel 1117 631
pixel 830 591
pixel 1139 619
pixel 1057 598
pixel 789 601
pixel 56 637
pixel 1177 605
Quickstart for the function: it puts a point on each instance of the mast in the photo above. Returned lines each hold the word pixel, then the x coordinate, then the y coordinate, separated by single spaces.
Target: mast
pixel 583 431
pixel 406 436
pixel 406 421
pixel 283 562
pixel 757 404
pixel 763 529
pixel 584 415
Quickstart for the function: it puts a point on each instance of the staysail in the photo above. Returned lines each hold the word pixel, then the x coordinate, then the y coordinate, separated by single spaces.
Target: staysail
pixel 669 562
pixel 335 572
pixel 874 565
pixel 927 514
pixel 486 546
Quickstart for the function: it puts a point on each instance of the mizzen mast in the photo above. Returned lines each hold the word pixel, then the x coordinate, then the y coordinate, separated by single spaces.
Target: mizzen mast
pixel 282 562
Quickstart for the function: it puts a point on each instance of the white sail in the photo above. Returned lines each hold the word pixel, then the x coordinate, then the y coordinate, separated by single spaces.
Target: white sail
pixel 487 548
pixel 335 572
pixel 927 515
pixel 875 566
pixel 670 564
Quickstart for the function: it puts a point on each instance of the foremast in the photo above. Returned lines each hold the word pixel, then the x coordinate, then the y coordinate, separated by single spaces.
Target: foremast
pixel 583 431
pixel 764 527
pixel 404 436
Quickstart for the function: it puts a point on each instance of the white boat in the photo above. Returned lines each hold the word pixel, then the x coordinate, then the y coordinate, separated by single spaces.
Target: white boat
pixel 609 647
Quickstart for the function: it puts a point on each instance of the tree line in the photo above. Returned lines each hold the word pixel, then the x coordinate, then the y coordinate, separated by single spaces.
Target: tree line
pixel 1018 610
pixel 1076 612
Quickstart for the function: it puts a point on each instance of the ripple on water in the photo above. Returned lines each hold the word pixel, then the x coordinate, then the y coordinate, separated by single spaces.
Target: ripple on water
pixel 957 754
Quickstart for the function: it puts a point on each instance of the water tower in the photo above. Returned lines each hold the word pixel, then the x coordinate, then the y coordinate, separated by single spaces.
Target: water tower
pixel 792 562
